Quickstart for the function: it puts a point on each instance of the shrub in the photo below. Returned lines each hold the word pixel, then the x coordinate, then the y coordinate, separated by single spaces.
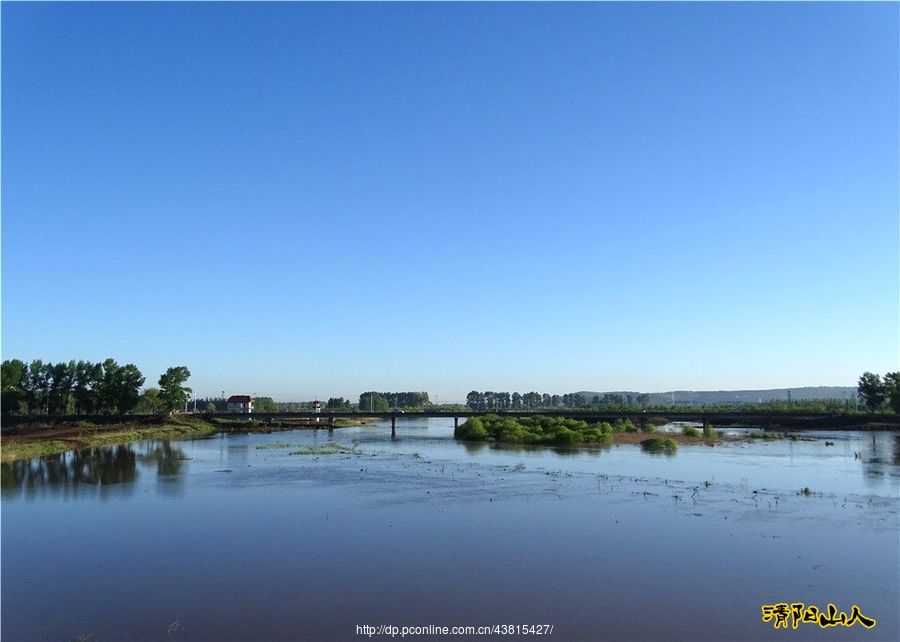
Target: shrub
pixel 690 431
pixel 533 430
pixel 657 444
pixel 709 432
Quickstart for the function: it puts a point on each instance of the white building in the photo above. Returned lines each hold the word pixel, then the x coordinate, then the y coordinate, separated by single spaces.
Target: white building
pixel 240 403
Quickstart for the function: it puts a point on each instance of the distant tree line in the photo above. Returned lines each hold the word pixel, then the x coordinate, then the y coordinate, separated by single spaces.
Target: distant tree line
pixel 877 393
pixel 220 404
pixel 384 401
pixel 85 388
pixel 338 403
pixel 490 400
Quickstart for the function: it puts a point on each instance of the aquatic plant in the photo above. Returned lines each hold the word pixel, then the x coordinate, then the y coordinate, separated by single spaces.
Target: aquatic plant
pixel 327 449
pixel 767 436
pixel 659 444
pixel 690 431
pixel 277 444
pixel 709 432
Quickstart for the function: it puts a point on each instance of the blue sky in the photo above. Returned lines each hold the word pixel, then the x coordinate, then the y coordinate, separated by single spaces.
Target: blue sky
pixel 303 200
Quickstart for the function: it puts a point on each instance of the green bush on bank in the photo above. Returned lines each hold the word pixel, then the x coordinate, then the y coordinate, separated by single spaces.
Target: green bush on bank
pixel 534 430
pixel 657 444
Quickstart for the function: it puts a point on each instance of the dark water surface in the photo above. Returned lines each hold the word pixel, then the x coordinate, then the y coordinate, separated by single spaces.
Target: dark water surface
pixel 257 537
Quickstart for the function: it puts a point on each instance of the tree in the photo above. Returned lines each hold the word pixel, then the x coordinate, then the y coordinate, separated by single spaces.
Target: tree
pixel 128 385
pixel 337 403
pixel 892 388
pixel 11 374
pixel 171 389
pixel 108 388
pixel 150 403
pixel 34 387
pixel 474 400
pixel 373 402
pixel 86 386
pixel 61 377
pixel 871 391
pixel 264 404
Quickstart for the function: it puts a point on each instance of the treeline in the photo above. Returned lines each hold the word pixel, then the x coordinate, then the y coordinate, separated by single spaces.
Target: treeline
pixel 220 404
pixel 490 400
pixel 86 388
pixel 338 403
pixel 384 401
pixel 879 393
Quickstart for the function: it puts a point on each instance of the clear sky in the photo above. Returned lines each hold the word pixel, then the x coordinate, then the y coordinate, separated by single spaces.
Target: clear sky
pixel 303 200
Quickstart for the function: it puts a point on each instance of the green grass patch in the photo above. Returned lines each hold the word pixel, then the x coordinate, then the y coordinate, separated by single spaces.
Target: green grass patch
pixel 690 431
pixel 534 430
pixel 659 444
pixel 328 449
pixel 767 436
pixel 709 432
pixel 167 428
pixel 345 422
pixel 277 444
pixel 13 451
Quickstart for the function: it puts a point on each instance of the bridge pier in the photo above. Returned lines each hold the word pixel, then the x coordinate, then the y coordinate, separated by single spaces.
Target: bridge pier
pixel 393 426
pixel 455 424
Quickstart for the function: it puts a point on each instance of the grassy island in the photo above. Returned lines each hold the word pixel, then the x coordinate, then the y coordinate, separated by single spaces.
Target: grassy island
pixel 539 430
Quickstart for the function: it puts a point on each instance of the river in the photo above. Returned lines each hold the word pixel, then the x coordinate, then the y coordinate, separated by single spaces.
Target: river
pixel 311 534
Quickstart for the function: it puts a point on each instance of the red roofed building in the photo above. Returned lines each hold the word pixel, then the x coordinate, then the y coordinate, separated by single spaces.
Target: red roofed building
pixel 240 403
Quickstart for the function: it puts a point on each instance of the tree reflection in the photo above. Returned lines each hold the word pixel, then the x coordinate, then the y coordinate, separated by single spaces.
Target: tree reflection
pixel 881 455
pixel 99 466
pixel 167 459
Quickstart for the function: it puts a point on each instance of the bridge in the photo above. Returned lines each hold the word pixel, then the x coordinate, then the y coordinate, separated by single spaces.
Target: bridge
pixel 20 424
pixel 794 421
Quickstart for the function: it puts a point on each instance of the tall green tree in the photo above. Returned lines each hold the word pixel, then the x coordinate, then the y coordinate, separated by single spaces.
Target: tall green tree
pixel 337 403
pixel 871 391
pixel 86 387
pixel 150 403
pixel 35 386
pixel 373 402
pixel 172 390
pixel 12 372
pixel 892 388
pixel 108 390
pixel 61 376
pixel 474 400
pixel 264 404
pixel 128 387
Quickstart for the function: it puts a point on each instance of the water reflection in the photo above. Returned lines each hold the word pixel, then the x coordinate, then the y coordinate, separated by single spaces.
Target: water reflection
pixel 100 466
pixel 880 456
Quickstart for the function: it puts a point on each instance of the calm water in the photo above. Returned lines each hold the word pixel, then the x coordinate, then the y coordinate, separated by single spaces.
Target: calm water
pixel 236 538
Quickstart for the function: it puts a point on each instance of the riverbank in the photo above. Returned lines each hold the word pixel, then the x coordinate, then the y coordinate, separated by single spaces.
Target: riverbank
pixel 40 440
pixel 76 435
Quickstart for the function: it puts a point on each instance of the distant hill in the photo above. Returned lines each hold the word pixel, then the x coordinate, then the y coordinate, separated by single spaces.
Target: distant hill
pixel 709 397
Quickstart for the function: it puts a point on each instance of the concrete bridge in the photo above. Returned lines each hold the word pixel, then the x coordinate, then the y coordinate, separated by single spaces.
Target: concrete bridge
pixel 17 424
pixel 794 421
